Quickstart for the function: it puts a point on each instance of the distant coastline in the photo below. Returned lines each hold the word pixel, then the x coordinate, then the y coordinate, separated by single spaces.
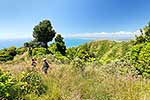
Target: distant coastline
pixel 70 42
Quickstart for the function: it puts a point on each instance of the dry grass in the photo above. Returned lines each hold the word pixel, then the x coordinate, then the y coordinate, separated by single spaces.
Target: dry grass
pixel 93 84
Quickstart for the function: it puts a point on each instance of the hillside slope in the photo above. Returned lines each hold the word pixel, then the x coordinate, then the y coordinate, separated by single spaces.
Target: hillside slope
pixel 101 51
pixel 105 50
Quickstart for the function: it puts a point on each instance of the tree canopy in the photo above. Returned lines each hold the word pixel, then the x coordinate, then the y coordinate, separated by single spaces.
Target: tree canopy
pixel 43 33
pixel 144 36
pixel 61 47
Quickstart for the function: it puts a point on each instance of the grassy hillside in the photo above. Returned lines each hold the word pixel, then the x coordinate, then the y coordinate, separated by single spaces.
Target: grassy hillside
pixel 64 83
pixel 106 51
pixel 112 79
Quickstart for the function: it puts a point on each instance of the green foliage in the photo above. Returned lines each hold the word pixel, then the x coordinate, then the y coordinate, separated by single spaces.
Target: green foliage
pixel 57 58
pixel 32 44
pixel 78 65
pixel 106 82
pixel 102 51
pixel 21 50
pixel 39 51
pixel 12 50
pixel 12 89
pixel 71 53
pixel 44 32
pixel 84 55
pixel 53 48
pixel 140 52
pixel 59 38
pixel 144 36
pixel 7 54
pixel 60 59
pixel 34 82
pixel 60 44
pixel 6 83
pixel 140 57
pixel 147 29
pixel 61 48
pixel 140 39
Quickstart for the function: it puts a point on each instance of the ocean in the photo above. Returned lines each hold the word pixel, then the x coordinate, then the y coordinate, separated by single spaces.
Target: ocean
pixel 70 42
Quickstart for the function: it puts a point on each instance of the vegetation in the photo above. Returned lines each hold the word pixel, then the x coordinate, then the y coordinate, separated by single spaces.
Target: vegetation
pixel 60 44
pixel 99 52
pixel 140 52
pixel 7 54
pixel 108 82
pixel 11 88
pixel 43 33
pixel 98 70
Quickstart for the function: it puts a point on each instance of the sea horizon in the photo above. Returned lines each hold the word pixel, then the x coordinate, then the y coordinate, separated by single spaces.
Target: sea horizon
pixel 69 42
pixel 19 42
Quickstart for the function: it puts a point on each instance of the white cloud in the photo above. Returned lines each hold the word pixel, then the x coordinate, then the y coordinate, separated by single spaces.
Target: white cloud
pixel 122 35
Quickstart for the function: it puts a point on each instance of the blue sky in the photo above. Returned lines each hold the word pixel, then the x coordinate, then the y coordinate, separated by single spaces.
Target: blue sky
pixel 74 18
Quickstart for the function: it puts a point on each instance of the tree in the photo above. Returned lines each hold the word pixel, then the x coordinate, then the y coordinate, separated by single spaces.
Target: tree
pixel 144 36
pixel 43 33
pixel 29 45
pixel 61 47
pixel 140 52
pixel 59 38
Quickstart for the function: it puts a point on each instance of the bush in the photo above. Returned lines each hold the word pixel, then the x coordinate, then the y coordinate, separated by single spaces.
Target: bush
pixel 12 89
pixel 39 51
pixel 53 48
pixel 61 58
pixel 140 57
pixel 7 54
pixel 6 83
pixel 34 82
pixel 78 64
pixel 21 50
pixel 71 53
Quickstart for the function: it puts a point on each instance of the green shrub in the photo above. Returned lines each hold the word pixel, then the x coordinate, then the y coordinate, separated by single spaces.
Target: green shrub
pixel 53 48
pixel 12 89
pixel 21 50
pixel 104 51
pixel 78 64
pixel 71 53
pixel 6 83
pixel 62 59
pixel 34 82
pixel 140 57
pixel 7 53
pixel 39 51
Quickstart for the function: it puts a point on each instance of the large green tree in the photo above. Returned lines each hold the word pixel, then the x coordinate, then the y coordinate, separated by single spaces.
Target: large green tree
pixel 61 47
pixel 43 33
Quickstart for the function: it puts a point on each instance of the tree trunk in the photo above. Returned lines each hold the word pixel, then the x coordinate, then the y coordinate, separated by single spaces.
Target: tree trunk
pixel 44 44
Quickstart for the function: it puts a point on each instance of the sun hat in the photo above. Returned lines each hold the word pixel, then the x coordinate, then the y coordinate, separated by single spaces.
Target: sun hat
pixel 44 59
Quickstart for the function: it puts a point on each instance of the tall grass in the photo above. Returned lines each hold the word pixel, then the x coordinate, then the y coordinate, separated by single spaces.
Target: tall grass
pixel 64 83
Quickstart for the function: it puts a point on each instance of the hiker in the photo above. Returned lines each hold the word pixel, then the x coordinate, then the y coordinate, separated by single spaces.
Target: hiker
pixel 45 66
pixel 34 63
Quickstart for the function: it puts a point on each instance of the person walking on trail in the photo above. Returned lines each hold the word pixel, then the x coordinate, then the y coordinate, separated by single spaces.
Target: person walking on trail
pixel 45 66
pixel 34 63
